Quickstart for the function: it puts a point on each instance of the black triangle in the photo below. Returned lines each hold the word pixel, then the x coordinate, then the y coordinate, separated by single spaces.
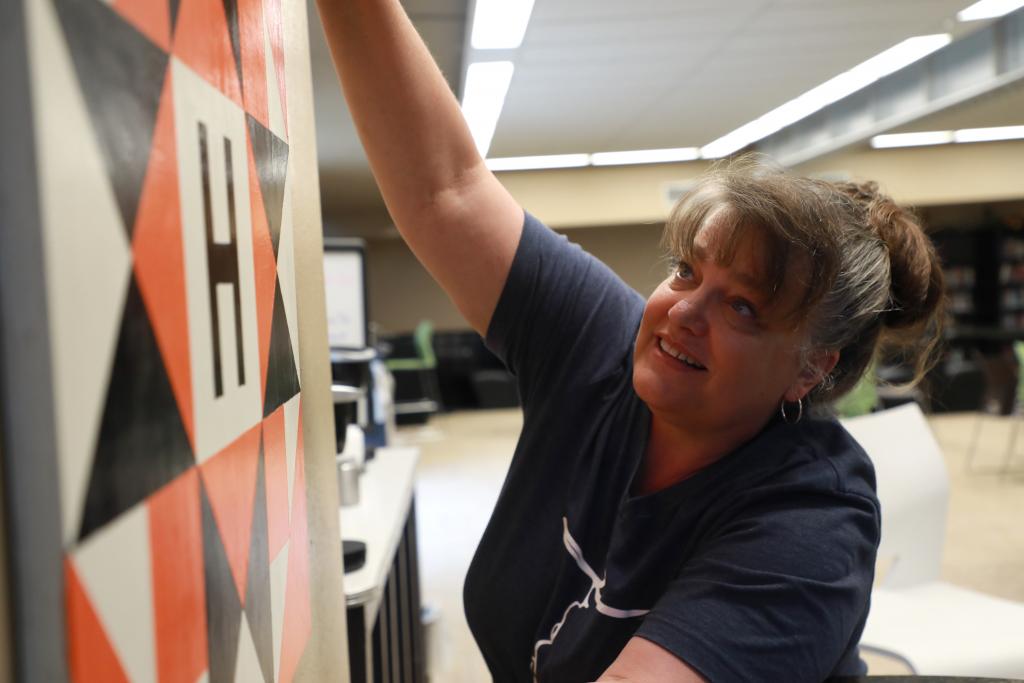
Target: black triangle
pixel 223 608
pixel 257 590
pixel 142 443
pixel 231 13
pixel 271 155
pixel 121 75
pixel 282 377
pixel 174 16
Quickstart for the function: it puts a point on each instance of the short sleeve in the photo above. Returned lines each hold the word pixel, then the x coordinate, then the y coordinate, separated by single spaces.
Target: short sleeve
pixel 561 310
pixel 779 592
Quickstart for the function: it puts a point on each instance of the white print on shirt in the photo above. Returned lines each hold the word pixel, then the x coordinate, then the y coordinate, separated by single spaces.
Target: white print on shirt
pixel 596 584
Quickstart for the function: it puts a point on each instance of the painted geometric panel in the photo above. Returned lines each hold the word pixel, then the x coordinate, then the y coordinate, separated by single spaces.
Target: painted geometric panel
pixel 292 432
pixel 286 273
pixel 297 620
pixel 90 654
pixel 86 251
pixel 179 596
pixel 265 267
pixel 202 40
pixel 220 284
pixel 282 372
pixel 230 483
pixel 223 606
pixel 159 258
pixel 163 172
pixel 115 569
pixel 248 666
pixel 257 591
pixel 122 81
pixel 142 444
pixel 278 586
pixel 276 468
pixel 271 155
pixel 152 18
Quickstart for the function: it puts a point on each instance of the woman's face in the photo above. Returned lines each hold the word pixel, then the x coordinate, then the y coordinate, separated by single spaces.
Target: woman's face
pixel 713 352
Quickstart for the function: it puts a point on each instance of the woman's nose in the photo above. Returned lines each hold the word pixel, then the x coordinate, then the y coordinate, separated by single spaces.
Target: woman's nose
pixel 688 312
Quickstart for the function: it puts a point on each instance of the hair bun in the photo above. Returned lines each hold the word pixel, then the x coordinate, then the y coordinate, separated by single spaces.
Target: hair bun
pixel 916 281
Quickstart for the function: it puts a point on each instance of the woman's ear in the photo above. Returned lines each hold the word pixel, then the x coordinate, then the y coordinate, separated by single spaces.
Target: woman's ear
pixel 817 368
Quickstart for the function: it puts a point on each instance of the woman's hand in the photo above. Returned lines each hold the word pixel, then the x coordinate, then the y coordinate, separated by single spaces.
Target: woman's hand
pixel 642 661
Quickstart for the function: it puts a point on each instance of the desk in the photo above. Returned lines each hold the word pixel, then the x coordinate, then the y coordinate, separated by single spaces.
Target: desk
pixel 382 597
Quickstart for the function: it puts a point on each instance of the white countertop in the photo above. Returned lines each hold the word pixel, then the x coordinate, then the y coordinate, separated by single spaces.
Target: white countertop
pixel 385 493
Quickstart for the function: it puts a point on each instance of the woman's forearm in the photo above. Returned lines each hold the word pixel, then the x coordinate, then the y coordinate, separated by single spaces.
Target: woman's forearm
pixel 409 122
pixel 458 219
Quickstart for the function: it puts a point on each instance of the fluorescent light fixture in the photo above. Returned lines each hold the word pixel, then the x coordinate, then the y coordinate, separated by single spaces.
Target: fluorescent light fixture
pixel 644 156
pixel 989 134
pixel 538 162
pixel 884 63
pixel 640 156
pixel 482 99
pixel 988 9
pixel 500 24
pixel 943 137
pixel 931 137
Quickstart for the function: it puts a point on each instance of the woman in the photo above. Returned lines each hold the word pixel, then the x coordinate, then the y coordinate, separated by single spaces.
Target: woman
pixel 673 510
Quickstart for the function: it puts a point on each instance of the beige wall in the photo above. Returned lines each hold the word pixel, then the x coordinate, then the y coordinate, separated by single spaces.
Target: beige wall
pixel 948 174
pixel 623 210
pixel 402 293
pixel 927 176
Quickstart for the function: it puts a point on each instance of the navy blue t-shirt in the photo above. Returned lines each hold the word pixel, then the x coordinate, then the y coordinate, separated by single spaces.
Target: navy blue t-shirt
pixel 758 567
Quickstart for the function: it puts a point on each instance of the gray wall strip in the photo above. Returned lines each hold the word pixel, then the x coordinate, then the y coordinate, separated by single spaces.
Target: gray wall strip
pixel 31 495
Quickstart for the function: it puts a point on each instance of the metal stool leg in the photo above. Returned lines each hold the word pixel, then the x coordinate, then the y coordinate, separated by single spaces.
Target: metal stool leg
pixel 973 448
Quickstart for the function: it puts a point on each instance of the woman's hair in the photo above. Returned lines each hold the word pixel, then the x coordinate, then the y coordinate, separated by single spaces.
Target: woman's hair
pixel 867 276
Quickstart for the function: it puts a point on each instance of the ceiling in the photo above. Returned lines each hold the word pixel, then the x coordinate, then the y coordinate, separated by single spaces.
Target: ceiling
pixel 598 75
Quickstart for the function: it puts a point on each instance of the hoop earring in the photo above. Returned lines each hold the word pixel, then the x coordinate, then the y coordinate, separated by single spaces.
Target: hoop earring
pixel 799 411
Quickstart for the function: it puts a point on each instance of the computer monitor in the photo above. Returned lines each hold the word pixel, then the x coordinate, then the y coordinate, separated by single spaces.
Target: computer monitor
pixel 345 283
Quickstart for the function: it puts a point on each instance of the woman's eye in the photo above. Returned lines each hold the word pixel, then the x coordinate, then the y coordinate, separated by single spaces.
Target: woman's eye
pixel 683 271
pixel 744 309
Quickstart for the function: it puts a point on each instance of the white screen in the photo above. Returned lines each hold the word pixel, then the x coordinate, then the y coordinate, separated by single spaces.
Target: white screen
pixel 346 317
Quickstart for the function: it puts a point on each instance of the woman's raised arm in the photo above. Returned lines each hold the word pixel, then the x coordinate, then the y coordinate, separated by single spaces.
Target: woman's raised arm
pixel 454 214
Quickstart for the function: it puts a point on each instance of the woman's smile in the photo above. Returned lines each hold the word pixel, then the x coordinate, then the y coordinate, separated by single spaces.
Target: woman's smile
pixel 678 357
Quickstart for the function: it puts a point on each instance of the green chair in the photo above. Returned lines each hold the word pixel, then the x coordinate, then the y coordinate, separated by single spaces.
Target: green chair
pixel 417 393
pixel 862 399
pixel 423 341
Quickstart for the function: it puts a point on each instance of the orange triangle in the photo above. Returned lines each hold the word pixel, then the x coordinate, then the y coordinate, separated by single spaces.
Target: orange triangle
pixel 276 468
pixel 179 593
pixel 91 656
pixel 254 61
pixel 264 264
pixel 160 257
pixel 230 478
pixel 151 17
pixel 202 40
pixel 297 619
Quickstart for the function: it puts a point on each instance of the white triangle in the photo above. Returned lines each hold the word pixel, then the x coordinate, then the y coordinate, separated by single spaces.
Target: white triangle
pixel 87 256
pixel 278 585
pixel 116 571
pixel 275 114
pixel 291 439
pixel 247 667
